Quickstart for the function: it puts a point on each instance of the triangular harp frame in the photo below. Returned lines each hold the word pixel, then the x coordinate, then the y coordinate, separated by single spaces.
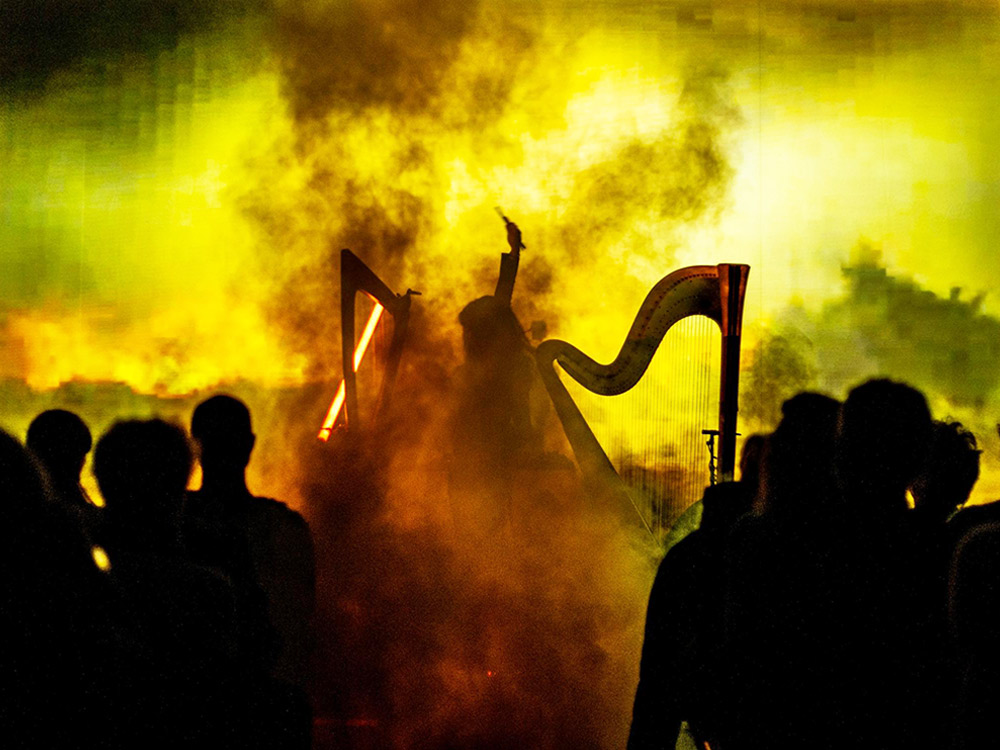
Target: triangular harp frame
pixel 355 277
pixel 717 292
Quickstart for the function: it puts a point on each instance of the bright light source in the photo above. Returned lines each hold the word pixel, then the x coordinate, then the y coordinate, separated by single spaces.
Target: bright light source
pixel 359 353
pixel 101 559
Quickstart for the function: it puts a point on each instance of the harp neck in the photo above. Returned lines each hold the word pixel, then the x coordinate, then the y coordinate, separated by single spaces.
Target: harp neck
pixel 715 292
pixel 356 276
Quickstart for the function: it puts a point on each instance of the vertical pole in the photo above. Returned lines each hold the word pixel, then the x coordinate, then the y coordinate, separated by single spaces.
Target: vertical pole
pixel 732 288
pixel 348 286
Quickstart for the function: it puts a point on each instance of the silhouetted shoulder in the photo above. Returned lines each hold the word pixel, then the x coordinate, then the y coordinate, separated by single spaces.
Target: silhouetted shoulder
pixel 281 542
pixel 276 506
pixel 971 516
pixel 277 512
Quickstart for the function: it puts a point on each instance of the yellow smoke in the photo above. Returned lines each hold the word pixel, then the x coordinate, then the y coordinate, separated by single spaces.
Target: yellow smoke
pixel 172 223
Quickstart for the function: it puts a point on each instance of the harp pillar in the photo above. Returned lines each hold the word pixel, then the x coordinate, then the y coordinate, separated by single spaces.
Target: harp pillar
pixel 732 289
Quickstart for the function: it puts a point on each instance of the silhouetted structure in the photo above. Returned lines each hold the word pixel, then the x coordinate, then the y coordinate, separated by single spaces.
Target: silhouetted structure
pixel 716 292
pixel 509 263
pixel 266 549
pixel 356 276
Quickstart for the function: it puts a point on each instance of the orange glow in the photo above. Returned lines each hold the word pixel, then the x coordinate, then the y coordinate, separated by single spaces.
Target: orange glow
pixel 101 559
pixel 366 335
pixel 359 353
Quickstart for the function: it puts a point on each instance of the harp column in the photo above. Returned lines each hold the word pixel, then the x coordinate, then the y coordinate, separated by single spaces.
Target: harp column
pixel 732 288
pixel 356 277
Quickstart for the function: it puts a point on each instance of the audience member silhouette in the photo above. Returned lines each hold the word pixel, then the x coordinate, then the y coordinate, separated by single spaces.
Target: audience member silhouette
pixel 973 591
pixel 833 614
pixel 751 463
pixel 61 441
pixel 948 475
pixel 811 608
pixel 678 670
pixel 969 516
pixel 181 615
pixel 893 578
pixel 62 678
pixel 267 551
pixel 974 600
pixel 774 603
pixel 883 438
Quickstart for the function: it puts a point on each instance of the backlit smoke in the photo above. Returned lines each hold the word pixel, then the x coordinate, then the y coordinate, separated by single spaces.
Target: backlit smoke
pixel 882 323
pixel 174 209
pixel 449 620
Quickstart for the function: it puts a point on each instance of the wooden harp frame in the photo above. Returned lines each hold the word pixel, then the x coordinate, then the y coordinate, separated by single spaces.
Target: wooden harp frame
pixel 356 276
pixel 717 292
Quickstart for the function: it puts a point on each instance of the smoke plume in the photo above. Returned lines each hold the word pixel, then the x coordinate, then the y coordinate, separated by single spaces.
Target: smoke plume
pixel 883 324
pixel 454 614
pixel 41 38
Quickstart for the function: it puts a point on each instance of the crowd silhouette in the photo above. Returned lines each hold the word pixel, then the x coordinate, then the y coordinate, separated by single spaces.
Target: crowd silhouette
pixel 820 609
pixel 837 596
pixel 165 619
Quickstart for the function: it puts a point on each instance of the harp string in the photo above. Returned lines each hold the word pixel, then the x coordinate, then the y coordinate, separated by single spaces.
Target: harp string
pixel 652 433
pixel 370 373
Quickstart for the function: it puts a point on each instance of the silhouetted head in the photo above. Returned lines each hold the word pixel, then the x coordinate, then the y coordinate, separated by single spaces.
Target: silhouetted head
pixel 221 426
pixel 36 535
pixel 750 459
pixel 22 484
pixel 799 465
pixel 882 440
pixel 61 441
pixel 950 472
pixel 489 327
pixel 142 468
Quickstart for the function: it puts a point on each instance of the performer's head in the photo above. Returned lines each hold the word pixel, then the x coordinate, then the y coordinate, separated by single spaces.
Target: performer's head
pixel 489 328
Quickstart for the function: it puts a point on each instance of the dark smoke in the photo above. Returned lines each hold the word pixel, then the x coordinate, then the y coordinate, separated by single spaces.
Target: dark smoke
pixel 944 345
pixel 679 177
pixel 781 365
pixel 342 65
pixel 39 38
pixel 450 629
pixel 447 621
pixel 882 325
pixel 354 54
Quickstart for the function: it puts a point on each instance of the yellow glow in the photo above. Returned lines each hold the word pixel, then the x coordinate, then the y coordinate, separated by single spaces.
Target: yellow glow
pixel 101 559
pixel 164 259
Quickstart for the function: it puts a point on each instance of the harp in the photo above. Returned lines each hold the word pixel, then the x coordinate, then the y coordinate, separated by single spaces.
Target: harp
pixel 715 292
pixel 355 277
